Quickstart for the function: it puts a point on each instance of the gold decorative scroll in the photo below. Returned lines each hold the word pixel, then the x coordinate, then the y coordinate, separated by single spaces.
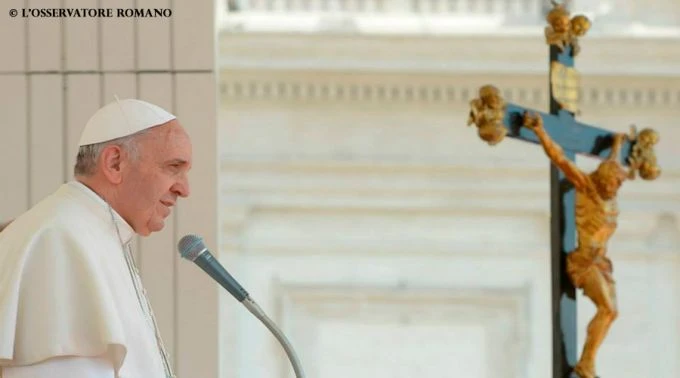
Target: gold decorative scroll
pixel 487 112
pixel 642 158
pixel 565 83
pixel 563 31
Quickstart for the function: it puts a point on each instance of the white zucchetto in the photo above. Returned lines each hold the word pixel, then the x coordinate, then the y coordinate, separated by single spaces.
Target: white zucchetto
pixel 122 118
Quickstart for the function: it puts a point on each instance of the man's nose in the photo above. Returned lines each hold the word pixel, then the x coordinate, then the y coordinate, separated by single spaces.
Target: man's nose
pixel 181 188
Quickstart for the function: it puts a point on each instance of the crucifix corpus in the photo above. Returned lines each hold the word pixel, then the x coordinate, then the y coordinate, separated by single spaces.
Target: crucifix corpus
pixel 583 205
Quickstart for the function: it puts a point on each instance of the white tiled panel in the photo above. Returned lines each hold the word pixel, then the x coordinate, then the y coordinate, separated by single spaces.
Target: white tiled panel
pixel 12 37
pixel 118 47
pixel 158 252
pixel 14 146
pixel 194 42
pixel 195 109
pixel 123 85
pixel 47 135
pixel 81 39
pixel 44 38
pixel 153 38
pixel 82 100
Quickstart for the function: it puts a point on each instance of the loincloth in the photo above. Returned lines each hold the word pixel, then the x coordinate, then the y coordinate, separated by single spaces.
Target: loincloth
pixel 580 265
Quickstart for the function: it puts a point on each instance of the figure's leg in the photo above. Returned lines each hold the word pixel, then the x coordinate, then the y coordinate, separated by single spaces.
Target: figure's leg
pixel 603 294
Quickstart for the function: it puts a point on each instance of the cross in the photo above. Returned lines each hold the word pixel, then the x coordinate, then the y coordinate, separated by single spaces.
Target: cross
pixel 496 119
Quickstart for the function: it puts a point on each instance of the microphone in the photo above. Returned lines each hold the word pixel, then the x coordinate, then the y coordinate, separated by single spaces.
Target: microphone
pixel 192 248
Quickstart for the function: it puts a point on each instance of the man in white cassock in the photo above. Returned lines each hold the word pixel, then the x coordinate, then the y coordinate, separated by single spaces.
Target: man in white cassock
pixel 71 301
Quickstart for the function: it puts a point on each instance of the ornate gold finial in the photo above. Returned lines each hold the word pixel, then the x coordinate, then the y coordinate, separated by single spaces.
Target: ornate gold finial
pixel 487 113
pixel 562 30
pixel 642 157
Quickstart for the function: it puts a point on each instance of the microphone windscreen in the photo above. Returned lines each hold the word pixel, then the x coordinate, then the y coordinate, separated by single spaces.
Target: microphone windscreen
pixel 190 246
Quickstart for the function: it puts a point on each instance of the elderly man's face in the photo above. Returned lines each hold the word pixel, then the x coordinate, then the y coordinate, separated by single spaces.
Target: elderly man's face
pixel 154 181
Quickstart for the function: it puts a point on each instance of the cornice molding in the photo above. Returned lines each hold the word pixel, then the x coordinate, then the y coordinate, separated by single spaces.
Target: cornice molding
pixel 286 86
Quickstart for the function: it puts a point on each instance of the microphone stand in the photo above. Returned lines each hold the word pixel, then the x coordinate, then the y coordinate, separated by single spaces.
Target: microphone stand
pixel 255 309
pixel 192 248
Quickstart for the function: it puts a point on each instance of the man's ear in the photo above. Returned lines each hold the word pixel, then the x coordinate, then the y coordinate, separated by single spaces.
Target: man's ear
pixel 110 159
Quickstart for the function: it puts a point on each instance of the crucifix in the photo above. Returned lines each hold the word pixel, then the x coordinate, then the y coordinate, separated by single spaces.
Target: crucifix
pixel 583 205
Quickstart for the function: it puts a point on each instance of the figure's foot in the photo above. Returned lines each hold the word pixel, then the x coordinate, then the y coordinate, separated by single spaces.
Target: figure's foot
pixel 585 370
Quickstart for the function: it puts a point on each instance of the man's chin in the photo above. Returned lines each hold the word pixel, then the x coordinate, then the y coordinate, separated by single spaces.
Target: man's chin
pixel 153 226
pixel 157 226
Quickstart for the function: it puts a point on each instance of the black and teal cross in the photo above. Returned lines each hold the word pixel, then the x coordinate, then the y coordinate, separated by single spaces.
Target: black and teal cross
pixel 574 138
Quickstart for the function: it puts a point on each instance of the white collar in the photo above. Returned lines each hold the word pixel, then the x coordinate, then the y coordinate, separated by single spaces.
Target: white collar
pixel 96 203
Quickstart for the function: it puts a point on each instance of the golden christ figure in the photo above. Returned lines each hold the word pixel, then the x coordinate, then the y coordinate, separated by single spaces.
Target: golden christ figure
pixel 588 266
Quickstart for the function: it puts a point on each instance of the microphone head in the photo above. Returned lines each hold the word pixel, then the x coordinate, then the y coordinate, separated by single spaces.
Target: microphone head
pixel 190 247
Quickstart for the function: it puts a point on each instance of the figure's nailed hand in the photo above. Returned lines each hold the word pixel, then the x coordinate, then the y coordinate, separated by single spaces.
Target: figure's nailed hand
pixel 532 120
pixel 619 138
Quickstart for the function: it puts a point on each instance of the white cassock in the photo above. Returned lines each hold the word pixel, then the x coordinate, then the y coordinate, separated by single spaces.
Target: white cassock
pixel 68 304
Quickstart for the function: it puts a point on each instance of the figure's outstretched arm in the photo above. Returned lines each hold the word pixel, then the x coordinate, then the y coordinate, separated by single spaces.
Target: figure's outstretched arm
pixel 534 122
pixel 616 146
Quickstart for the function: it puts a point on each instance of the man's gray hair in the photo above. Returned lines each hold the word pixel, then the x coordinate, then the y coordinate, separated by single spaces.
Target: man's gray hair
pixel 88 155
